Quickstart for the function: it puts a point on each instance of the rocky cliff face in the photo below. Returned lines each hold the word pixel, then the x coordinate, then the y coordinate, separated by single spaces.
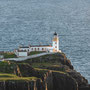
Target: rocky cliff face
pixel 52 81
pixel 60 81
pixel 53 72
pixel 22 85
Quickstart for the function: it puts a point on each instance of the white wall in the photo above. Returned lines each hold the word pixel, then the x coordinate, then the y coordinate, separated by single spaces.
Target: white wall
pixel 40 48
pixel 23 49
pixel 37 49
pixel 21 54
pixel 1 56
pixel 56 44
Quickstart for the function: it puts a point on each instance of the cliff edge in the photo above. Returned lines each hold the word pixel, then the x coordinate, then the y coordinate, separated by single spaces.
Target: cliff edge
pixel 49 72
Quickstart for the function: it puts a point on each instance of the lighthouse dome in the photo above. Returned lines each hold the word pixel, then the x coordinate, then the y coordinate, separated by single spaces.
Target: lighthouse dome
pixel 55 33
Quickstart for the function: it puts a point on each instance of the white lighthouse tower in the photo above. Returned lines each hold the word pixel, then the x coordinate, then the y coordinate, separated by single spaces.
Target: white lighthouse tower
pixel 55 43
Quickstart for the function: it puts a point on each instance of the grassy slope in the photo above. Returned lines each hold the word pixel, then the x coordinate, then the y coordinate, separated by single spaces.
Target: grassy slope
pixel 7 68
pixel 44 61
pixel 35 52
pixel 5 76
pixel 9 55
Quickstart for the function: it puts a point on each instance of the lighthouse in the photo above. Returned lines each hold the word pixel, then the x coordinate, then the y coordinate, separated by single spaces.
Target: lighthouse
pixel 24 50
pixel 55 43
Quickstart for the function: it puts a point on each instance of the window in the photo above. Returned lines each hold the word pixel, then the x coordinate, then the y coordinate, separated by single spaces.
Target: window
pixel 55 42
pixel 38 49
pixel 35 49
pixel 42 49
pixel 32 49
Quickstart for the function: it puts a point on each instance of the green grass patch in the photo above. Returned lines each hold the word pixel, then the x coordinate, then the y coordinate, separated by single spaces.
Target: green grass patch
pixel 39 69
pixel 37 65
pixel 59 71
pixel 2 63
pixel 35 52
pixel 9 55
pixel 46 70
pixel 7 67
pixel 53 58
pixel 6 77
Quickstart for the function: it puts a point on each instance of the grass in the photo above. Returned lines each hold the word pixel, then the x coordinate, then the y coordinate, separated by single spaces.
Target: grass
pixel 9 55
pixel 45 64
pixel 41 72
pixel 35 52
pixel 7 67
pixel 39 69
pixel 36 65
pixel 6 77
pixel 59 72
pixel 40 64
pixel 46 70
pixel 3 63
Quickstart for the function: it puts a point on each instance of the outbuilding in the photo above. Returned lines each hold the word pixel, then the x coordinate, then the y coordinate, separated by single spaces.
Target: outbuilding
pixel 22 53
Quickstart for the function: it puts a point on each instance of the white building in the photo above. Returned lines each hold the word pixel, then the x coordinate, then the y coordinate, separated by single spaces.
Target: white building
pixel 23 51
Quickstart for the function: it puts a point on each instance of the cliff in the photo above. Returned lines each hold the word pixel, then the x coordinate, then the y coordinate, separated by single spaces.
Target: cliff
pixel 49 72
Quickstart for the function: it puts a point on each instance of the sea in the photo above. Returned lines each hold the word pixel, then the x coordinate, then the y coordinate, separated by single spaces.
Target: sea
pixel 32 22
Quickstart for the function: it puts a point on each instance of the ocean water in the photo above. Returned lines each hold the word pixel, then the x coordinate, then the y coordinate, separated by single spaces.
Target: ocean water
pixel 25 22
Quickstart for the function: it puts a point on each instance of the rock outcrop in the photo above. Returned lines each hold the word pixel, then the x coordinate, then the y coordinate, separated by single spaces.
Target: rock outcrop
pixel 22 85
pixel 60 81
pixel 53 72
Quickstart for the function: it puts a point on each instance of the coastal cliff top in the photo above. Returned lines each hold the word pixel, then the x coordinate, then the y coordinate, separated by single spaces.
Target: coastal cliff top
pixel 40 68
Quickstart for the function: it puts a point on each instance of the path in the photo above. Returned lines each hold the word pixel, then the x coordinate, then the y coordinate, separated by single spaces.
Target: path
pixel 28 57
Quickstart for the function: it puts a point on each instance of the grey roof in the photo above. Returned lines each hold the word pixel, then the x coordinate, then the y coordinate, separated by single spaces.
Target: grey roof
pixel 41 46
pixel 24 46
pixel 35 46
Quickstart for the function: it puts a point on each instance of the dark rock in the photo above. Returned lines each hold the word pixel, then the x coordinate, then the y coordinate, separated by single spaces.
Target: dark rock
pixel 52 79
pixel 61 81
pixel 84 88
pixel 24 70
pixel 79 78
pixel 22 85
pixel 59 68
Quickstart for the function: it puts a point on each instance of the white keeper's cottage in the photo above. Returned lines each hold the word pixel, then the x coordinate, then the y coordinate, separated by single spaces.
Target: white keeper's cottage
pixel 23 51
